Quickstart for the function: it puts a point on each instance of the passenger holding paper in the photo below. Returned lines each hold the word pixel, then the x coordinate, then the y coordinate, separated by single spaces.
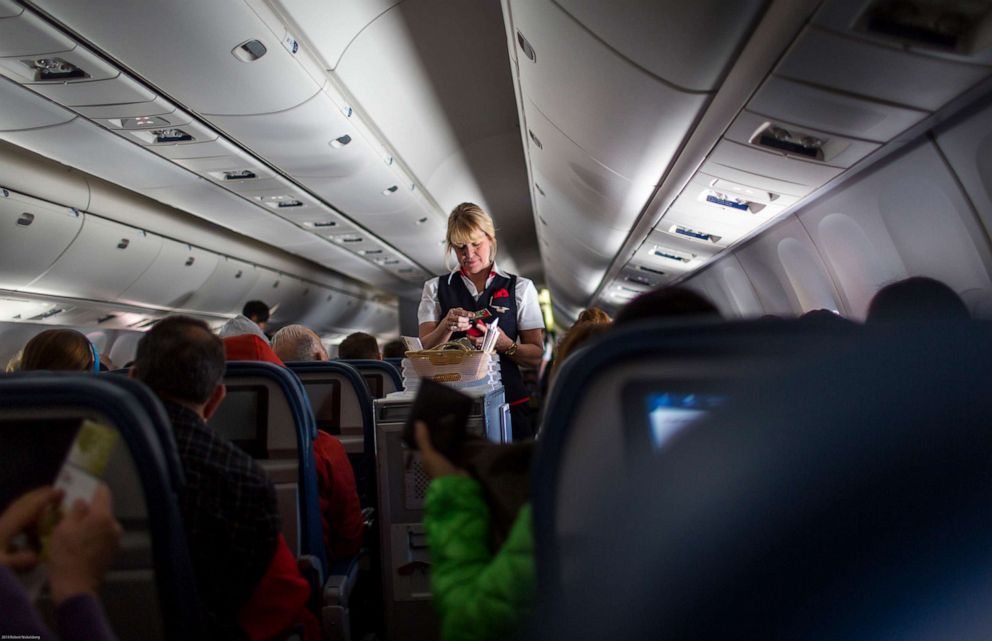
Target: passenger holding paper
pixel 80 551
pixel 463 302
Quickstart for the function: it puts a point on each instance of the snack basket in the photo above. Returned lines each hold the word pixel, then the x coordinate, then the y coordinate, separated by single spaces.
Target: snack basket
pixel 451 365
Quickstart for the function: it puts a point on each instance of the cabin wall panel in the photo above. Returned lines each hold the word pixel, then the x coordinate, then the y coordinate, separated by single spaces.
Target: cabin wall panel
pixel 913 221
pixel 787 273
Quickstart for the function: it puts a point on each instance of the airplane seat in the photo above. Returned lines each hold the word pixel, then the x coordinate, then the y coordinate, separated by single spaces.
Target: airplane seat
pixel 395 362
pixel 266 414
pixel 844 496
pixel 342 405
pixel 150 590
pixel 596 421
pixel 381 377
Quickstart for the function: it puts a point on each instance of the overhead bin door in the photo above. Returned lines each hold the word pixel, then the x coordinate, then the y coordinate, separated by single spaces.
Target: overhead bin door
pixel 101 263
pixel 35 234
pixel 174 277
pixel 226 289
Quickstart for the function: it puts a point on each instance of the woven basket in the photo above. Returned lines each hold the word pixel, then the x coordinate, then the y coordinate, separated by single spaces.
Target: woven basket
pixel 450 366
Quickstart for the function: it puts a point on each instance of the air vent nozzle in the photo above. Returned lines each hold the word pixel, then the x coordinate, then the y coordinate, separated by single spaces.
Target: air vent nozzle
pixel 955 26
pixel 793 143
pixel 165 136
pixel 240 174
pixel 289 204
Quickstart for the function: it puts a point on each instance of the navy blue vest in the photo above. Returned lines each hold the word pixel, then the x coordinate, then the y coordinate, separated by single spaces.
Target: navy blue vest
pixel 500 298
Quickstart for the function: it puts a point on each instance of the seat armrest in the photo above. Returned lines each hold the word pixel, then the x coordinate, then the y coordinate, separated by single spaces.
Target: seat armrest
pixel 341 580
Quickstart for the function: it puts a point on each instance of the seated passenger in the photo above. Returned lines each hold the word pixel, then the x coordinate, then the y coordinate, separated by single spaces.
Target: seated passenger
pixel 667 302
pixel 59 349
pixel 240 326
pixel 395 348
pixel 241 562
pixel 340 510
pixel 79 553
pixel 359 346
pixel 593 315
pixel 916 298
pixel 479 595
pixel 257 312
pixel 298 343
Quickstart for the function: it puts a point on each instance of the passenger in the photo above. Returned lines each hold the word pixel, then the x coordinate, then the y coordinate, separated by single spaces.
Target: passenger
pixel 448 303
pixel 240 326
pixel 80 550
pixel 918 298
pixel 479 595
pixel 59 350
pixel 298 343
pixel 359 346
pixel 340 509
pixel 245 573
pixel 578 335
pixel 667 302
pixel 257 312
pixel 593 315
pixel 824 316
pixel 395 348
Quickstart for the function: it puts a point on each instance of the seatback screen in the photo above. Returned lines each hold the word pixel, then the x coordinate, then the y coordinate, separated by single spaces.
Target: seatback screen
pixel 325 399
pixel 670 412
pixel 31 453
pixel 374 381
pixel 242 418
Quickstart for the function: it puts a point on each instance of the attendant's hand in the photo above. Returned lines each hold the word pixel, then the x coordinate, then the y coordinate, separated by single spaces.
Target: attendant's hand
pixel 457 320
pixel 19 517
pixel 435 464
pixel 82 547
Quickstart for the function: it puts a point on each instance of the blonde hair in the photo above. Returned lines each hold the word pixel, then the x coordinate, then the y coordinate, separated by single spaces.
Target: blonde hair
pixel 463 222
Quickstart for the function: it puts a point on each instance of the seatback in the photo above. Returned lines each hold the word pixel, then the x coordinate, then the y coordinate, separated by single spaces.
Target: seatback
pixel 395 362
pixel 595 424
pixel 342 405
pixel 150 591
pixel 382 378
pixel 266 413
pixel 826 500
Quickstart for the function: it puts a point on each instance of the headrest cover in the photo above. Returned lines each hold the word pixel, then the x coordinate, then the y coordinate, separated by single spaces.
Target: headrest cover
pixel 249 347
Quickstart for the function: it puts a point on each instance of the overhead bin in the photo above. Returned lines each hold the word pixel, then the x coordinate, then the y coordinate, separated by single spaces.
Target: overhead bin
pixel 555 217
pixel 226 290
pixel 177 273
pixel 837 113
pixel 881 72
pixel 24 110
pixel 314 139
pixel 797 141
pixel 208 65
pixel 597 205
pixel 101 263
pixel 35 233
pixel 685 44
pixel 624 117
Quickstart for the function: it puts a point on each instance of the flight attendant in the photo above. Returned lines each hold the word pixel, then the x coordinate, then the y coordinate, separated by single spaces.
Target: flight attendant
pixel 449 302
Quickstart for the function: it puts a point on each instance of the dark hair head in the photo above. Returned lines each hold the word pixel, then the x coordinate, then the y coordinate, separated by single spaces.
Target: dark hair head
pixel 58 349
pixel 824 316
pixel 256 310
pixel 916 298
pixel 180 359
pixel 395 348
pixel 358 345
pixel 666 302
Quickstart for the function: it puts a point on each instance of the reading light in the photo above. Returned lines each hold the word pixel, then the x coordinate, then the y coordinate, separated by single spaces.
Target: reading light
pixel 239 174
pixel 54 69
pixel 163 136
pixel 143 122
